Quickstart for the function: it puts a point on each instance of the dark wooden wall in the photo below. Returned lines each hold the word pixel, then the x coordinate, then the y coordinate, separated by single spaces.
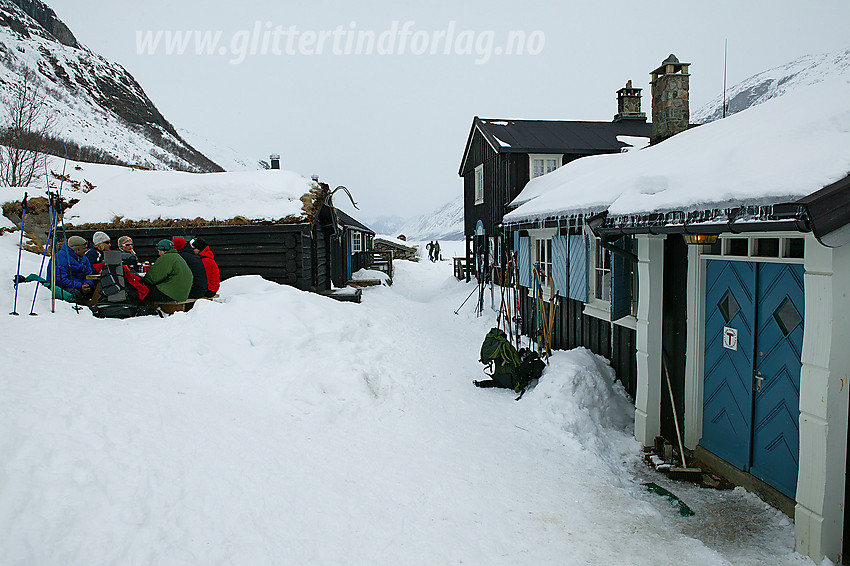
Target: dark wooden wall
pixel 674 331
pixel 490 212
pixel 573 329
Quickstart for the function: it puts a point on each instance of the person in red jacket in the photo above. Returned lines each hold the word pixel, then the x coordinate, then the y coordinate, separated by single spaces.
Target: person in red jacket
pixel 203 250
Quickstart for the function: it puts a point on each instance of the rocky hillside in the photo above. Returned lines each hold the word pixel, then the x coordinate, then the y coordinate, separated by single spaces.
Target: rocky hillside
pixel 775 82
pixel 102 113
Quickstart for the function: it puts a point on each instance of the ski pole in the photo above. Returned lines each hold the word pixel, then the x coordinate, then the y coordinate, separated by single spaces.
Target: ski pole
pixel 20 250
pixel 466 299
pixel 51 234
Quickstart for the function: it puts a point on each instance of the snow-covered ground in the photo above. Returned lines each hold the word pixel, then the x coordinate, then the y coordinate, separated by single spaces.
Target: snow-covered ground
pixel 281 427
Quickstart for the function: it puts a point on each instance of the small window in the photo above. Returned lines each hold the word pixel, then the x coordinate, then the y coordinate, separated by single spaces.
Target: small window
pixel 479 184
pixel 737 246
pixel 766 247
pixel 544 256
pixel 542 164
pixel 356 242
pixel 602 272
pixel 793 247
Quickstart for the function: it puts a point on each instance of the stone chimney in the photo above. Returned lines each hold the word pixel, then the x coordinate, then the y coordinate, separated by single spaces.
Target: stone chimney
pixel 274 159
pixel 628 104
pixel 670 112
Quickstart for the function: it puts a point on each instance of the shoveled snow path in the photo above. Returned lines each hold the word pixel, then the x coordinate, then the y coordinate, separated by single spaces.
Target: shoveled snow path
pixel 284 428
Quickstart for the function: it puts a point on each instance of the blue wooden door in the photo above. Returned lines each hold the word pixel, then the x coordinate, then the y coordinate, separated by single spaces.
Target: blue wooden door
pixel 751 400
pixel 776 417
pixel 728 378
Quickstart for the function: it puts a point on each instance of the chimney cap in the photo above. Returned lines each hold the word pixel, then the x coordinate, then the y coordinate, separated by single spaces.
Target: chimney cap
pixel 274 156
pixel 670 60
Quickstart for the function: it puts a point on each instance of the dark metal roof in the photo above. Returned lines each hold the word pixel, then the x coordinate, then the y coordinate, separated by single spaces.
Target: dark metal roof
pixel 829 212
pixel 555 136
pixel 347 220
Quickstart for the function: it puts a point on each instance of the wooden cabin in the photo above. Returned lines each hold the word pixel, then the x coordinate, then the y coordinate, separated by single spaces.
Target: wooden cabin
pixel 727 276
pixel 501 156
pixel 304 251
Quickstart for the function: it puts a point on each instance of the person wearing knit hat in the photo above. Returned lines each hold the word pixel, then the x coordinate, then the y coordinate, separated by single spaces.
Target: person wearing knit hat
pixel 95 254
pixel 169 278
pixel 70 271
pixel 128 254
pixel 199 274
pixel 205 253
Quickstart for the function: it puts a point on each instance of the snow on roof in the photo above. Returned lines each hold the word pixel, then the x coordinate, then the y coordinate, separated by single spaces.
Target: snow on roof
pixel 147 195
pixel 781 150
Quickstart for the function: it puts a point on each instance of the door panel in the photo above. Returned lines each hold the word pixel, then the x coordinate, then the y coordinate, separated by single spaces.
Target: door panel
pixel 727 399
pixel 778 354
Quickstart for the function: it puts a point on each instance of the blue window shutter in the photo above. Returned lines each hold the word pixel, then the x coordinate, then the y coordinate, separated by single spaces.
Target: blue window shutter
pixel 621 286
pixel 525 262
pixel 559 264
pixel 578 268
pixel 516 241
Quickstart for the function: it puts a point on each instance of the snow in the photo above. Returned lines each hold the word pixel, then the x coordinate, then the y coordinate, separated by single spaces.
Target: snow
pixel 501 143
pixel 777 151
pixel 370 275
pixel 775 82
pixel 443 223
pixel 223 155
pixel 396 241
pixel 79 116
pixel 634 142
pixel 276 426
pixel 135 194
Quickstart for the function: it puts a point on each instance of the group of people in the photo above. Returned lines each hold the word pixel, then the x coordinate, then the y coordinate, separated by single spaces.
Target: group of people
pixel 183 270
pixel 433 250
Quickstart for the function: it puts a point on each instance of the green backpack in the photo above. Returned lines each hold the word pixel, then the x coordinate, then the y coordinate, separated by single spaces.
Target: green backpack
pixel 500 356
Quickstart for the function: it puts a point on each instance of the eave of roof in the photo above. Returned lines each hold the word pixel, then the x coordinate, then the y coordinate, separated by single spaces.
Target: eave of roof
pixel 570 137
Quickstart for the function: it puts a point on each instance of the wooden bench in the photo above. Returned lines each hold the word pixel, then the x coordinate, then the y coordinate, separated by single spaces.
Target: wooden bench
pixel 171 307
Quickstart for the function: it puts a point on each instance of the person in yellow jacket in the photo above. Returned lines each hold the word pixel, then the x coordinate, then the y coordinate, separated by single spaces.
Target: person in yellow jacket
pixel 169 278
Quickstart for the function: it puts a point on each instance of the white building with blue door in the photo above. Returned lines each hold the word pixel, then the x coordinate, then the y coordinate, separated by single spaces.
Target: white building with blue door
pixel 752 319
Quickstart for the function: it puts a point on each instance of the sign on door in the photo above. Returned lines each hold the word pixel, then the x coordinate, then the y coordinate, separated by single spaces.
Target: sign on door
pixel 730 338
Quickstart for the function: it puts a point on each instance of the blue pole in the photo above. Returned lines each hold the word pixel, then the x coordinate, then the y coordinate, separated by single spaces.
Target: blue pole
pixel 50 235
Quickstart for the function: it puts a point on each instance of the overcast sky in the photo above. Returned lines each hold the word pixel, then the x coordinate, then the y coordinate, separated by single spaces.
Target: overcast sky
pixel 381 98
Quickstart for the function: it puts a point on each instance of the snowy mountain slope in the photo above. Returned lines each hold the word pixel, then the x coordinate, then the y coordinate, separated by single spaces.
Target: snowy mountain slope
pixel 281 427
pixel 444 223
pixel 775 82
pixel 97 103
pixel 225 156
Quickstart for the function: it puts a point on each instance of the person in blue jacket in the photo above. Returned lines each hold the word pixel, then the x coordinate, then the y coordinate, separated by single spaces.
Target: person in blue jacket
pixel 72 266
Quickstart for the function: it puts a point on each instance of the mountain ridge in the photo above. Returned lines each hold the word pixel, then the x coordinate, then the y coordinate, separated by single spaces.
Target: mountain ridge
pixel 97 103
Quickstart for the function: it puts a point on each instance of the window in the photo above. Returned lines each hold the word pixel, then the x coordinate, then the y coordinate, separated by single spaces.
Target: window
pixel 543 256
pixel 542 164
pixel 356 242
pixel 762 247
pixel 369 238
pixel 479 184
pixel 602 272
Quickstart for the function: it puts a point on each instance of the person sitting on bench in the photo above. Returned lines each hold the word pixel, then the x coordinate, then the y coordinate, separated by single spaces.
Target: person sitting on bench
pixel 169 278
pixel 202 249
pixel 196 265
pixel 72 267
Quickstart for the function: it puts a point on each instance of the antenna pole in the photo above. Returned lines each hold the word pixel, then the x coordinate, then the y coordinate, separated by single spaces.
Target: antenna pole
pixel 725 42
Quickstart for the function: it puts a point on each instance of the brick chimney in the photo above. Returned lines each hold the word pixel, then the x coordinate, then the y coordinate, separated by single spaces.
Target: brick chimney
pixel 670 112
pixel 628 104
